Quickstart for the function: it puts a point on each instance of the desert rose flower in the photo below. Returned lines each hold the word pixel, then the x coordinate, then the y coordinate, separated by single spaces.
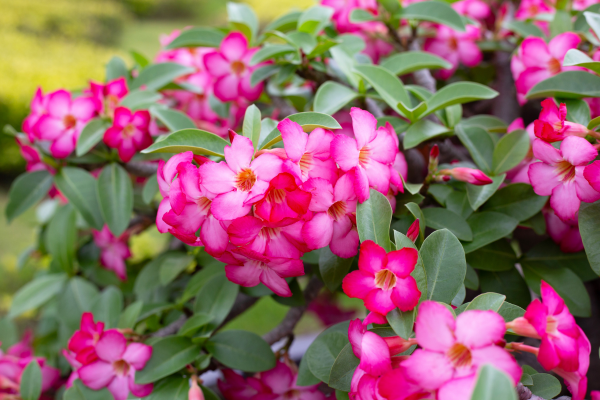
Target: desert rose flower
pixel 38 107
pixel 64 120
pixel 560 174
pixel 113 251
pixel 565 234
pixel 116 366
pixel 469 175
pixel 283 200
pixel 552 125
pixel 453 350
pixel 455 47
pixel 110 94
pixel 230 65
pixel 129 132
pixel 383 280
pixel 394 385
pixel 83 342
pixel 366 156
pixel 334 220
pixel 475 9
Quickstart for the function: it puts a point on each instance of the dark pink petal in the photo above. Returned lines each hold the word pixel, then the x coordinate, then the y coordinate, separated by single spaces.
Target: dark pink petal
pixel 246 275
pixel 243 230
pixel 227 87
pixel 476 328
pixel 435 327
pixel 536 315
pixel 113 137
pixel 402 262
pixel 318 231
pixel 294 139
pixel 345 152
pixel 380 301
pixel 344 241
pixel 564 201
pixel 364 125
pixel 585 191
pixel 356 332
pixel 375 355
pixel 213 236
pixel 361 183
pixel 189 178
pixel 251 93
pixel 592 174
pixel 577 151
pixel 372 258
pixel 322 193
pixel 216 64
pixel 139 390
pixel 111 346
pixel 287 267
pixel 63 146
pixel 358 284
pixel 234 46
pixel 274 282
pixel 406 294
pixel 96 375
pixel 279 379
pixel 428 369
pixel 126 150
pixel 122 117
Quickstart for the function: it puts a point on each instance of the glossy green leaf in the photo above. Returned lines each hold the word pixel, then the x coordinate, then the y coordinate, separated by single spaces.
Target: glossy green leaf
pixel 568 84
pixel 241 350
pixel 36 293
pixel 416 212
pixel 116 68
pixel 140 99
pixel 60 237
pixel 493 384
pixel 309 121
pixel 373 219
pixel 419 272
pixel 324 350
pixel 333 268
pixel 457 93
pixel 156 76
pixel 496 256
pixel 440 218
pixel 332 97
pixel 197 141
pixel 108 307
pixel 458 202
pixel 91 134
pixel 524 29
pixel 359 15
pixel 216 298
pixel 173 119
pixel 550 254
pixel 200 278
pixel 510 283
pixel 81 392
pixel 510 311
pixel 445 265
pixel 172 265
pixel 31 381
pixel 510 151
pixel 386 84
pixel 78 297
pixel 517 200
pixel 130 315
pixel 487 301
pixel 262 73
pixel 589 227
pixel 434 11
pixel 410 61
pixel 577 110
pixel 150 189
pixel 305 377
pixel 577 58
pixel 487 122
pixel 593 20
pixel 545 386
pixel 28 189
pixel 197 37
pixel 479 143
pixel 471 278
pixel 488 227
pixel 479 194
pixel 343 369
pixel 80 188
pixel 115 195
pixel 422 131
pixel 243 18
pixel 169 355
pixel 402 322
pixel 314 19
pixel 251 126
pixel 272 51
pixel 285 23
pixel 194 323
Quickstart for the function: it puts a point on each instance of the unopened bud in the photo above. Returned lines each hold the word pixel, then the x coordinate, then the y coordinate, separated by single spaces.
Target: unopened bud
pixel 435 151
pixel 433 158
pixel 413 231
pixel 469 175
pixel 232 134
pixel 195 392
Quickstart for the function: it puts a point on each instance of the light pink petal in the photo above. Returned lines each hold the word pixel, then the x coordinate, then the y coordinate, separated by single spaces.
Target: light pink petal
pixel 535 52
pixel 372 258
pixel 577 151
pixel 469 53
pixel 227 87
pixel 364 125
pixel 375 354
pixel 319 143
pixel 406 294
pixel 345 152
pixel 50 128
pixel 562 43
pixel 294 139
pixel 111 346
pixel 287 267
pixel 247 275
pixel 529 78
pixel 213 236
pixel 137 354
pixel 543 178
pixel 217 177
pixel 279 379
pixel 163 208
pixel 585 192
pixel 59 103
pixel 457 389
pixel 499 358
pixel 239 154
pixel 564 201
pixel 84 108
pixel 592 174
pixel 477 328
pixel 383 148
pixel 429 369
pixel 229 206
pixel 546 152
pixel 322 193
pixel 325 169
pixel 189 179
pixel 361 182
pixel 380 301
pixel 344 241
pixel 358 284
pixel 139 390
pixel 318 231
pixel 402 262
pixel 344 190
pixel 216 64
pixel 119 387
pixel 267 167
pixel 434 327
pixel 234 46
pixel 96 375
pixel 63 146
pixel 274 282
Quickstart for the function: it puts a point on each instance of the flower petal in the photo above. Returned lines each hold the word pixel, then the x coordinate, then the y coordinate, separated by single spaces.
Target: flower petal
pixel 434 327
pixel 372 258
pixel 294 139
pixel 427 368
pixel 477 328
pixel 111 346
pixel 358 284
pixel 402 262
pixel 577 151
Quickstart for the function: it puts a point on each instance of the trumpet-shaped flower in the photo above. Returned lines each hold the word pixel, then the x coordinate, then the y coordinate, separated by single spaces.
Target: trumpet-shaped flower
pixel 283 200
pixel 367 155
pixel 560 174
pixel 230 65
pixel 334 220
pixel 83 342
pixel 592 174
pixel 240 181
pixel 167 171
pixel 129 132
pixel 469 175
pixel 413 230
pixel 249 268
pixel 565 234
pixel 113 251
pixel 116 366
pixel 455 47
pixel 109 95
pixel 576 381
pixel 552 125
pixel 383 280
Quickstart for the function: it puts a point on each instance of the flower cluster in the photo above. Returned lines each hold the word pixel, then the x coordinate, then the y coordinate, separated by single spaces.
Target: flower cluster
pixel 104 359
pixel 260 211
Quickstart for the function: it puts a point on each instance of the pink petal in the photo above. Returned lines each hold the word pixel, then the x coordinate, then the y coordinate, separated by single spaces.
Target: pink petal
pixel 470 55
pixel 372 258
pixel 358 284
pixel 229 206
pixel 239 154
pixel 287 267
pixel 279 379
pixel 380 301
pixel 531 77
pixel 227 87
pixel 543 178
pixel 216 64
pixel 122 117
pixel 274 282
pixel 344 191
pixel 96 375
pixel 189 179
pixel 126 150
pixel 592 174
pixel 63 146
pixel 319 143
pixel 577 151
pixel 364 125
pixel 49 128
pixel 59 103
pixel 383 148
pixel 119 387
pixel 251 93
pixel 434 327
pixel 535 52
pixel 429 369
pixel 247 275
pixel 478 328
pixel 322 193
pixel 111 346
pixel 402 262
pixel 375 354
pixel 562 43
pixel 585 191
pixel 137 354
pixel 294 139
pixel 163 208
pixel 234 46
pixel 266 167
pixel 344 241
pixel 564 201
pixel 499 358
pixel 139 390
pixel 213 236
pixel 318 231
pixel 345 152
pixel 243 230
pixel 361 183
pixel 546 152
pixel 356 332
pixel 457 389
pixel 406 294
pixel 217 177
pixel 84 108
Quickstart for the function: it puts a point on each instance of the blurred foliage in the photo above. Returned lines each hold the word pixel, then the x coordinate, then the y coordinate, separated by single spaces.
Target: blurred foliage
pixel 267 10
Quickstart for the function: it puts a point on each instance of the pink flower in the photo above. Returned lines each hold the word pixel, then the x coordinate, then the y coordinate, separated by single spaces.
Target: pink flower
pixel 168 171
pixel 383 280
pixel 75 365
pixel 240 181
pixel 116 366
pixel 249 268
pixel 566 234
pixel 531 8
pixel 64 120
pixel 453 350
pixel 38 107
pixel 129 132
pixel 231 66
pixel 83 342
pixel 113 251
pixel 343 9
pixel 581 5
pixel 536 60
pixel 413 231
pixel 455 47
pixel 595 395
pixel 367 155
pixel 283 200
pixel 109 95
pixel 469 175
pixel 394 385
pixel 309 154
pixel 560 174
pixel 552 125
pixel 334 219
pixel 476 9
pixel 32 156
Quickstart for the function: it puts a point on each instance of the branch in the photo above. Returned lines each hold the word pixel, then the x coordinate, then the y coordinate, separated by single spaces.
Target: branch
pixel 287 325
pixel 172 328
pixel 423 77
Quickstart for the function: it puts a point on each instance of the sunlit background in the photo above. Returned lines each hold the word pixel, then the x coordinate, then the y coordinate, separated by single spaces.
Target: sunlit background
pixel 64 43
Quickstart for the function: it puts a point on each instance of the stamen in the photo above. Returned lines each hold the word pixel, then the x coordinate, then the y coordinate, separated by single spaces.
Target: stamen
pixel 385 279
pixel 69 121
pixel 337 210
pixel 245 180
pixel 459 355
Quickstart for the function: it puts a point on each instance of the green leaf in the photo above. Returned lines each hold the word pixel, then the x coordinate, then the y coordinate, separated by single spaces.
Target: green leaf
pixel 241 350
pixel 78 297
pixel 373 219
pixel 108 307
pixel 197 141
pixel 509 311
pixel 410 61
pixel 262 73
pixel 415 210
pixel 566 283
pixel 434 11
pixel 200 278
pixel 488 227
pixel 130 315
pixel 309 121
pixel 402 322
pixel 81 392
pixel 31 381
pixel 172 265
pixel 487 122
pixel 115 195
pixel 8 332
pixel 60 237
pixel 517 200
pixel 324 350
pixel 510 151
pixel 589 227
pixel 332 97
pixel 479 143
pixel 496 256
pixel 524 29
pixel 359 15
pixel 272 51
pixel 445 265
pixel 392 6
pixel 343 369
pixel 251 127
pixel 577 58
pixel 440 218
pixel 36 293
pixel 509 283
pixel 156 76
pixel 140 99
pixel 422 131
pixel 386 84
pixel 194 323
pixel 197 37
pixel 285 23
pixel 568 84
pixel 169 355
pixel 493 384
pixel 305 377
pixel 150 189
pixel 173 119
pixel 80 188
pixel 479 194
pixel 487 301
pixel 28 189
pixel 419 272
pixel 116 68
pixel 333 268
pixel 216 298
pixel 577 110
pixel 314 19
pixel 91 135
pixel 243 18
pixel 545 386
pixel 457 93
pixel 471 278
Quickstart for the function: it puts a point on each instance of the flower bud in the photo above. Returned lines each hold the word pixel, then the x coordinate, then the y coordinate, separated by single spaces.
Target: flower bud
pixel 195 392
pixel 232 134
pixel 413 230
pixel 522 327
pixel 433 158
pixel 469 175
